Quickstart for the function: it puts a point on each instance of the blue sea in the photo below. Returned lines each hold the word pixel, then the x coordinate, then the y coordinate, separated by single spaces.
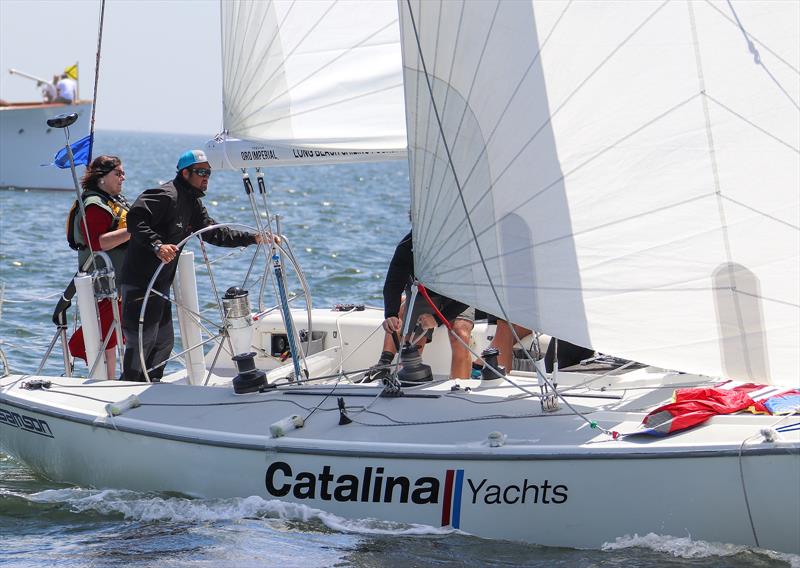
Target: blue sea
pixel 343 222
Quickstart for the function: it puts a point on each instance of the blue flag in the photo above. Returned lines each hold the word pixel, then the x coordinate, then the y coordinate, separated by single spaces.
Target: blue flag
pixel 81 153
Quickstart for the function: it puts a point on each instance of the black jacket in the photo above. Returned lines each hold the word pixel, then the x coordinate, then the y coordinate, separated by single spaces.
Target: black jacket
pixel 167 215
pixel 399 278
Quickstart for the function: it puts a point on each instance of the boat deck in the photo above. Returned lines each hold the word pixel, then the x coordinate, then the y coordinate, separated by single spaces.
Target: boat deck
pixel 444 417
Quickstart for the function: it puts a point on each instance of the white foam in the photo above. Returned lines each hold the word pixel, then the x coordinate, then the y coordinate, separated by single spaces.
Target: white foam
pixel 148 507
pixel 685 547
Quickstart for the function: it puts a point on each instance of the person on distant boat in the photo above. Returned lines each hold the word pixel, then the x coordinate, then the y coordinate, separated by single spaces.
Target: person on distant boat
pixel 106 211
pixel 158 220
pixel 460 316
pixel 49 91
pixel 67 90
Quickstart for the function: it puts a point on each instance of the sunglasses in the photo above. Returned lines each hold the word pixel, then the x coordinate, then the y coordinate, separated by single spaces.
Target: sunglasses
pixel 119 173
pixel 202 172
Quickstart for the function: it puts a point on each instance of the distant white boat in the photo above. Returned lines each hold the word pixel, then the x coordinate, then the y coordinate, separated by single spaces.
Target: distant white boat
pixel 26 143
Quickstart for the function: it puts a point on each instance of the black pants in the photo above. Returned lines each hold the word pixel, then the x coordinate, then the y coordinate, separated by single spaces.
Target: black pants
pixel 158 336
pixel 568 354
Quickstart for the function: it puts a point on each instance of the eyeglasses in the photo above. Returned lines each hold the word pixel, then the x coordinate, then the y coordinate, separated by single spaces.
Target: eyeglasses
pixel 119 173
pixel 202 172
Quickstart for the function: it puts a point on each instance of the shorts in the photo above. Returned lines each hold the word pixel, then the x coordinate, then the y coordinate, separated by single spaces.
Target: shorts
pixel 451 309
pixel 481 315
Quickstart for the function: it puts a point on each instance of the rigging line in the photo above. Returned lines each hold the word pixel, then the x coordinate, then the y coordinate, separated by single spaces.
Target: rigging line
pixel 558 109
pixel 241 86
pixel 762 213
pixel 754 125
pixel 394 422
pixel 179 404
pixel 552 388
pixel 755 39
pixel 757 58
pixel 419 208
pixel 96 76
pixel 469 221
pixel 511 98
pixel 560 106
pixel 328 105
pixel 325 65
pixel 744 488
pixel 564 175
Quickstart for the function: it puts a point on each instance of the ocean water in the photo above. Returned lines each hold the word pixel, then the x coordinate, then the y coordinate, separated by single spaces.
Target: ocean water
pixel 343 223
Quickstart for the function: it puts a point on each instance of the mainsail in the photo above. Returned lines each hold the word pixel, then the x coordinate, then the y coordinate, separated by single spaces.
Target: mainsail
pixel 310 82
pixel 623 175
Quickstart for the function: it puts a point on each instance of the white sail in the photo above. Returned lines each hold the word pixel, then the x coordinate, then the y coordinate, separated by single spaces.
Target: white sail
pixel 626 173
pixel 310 82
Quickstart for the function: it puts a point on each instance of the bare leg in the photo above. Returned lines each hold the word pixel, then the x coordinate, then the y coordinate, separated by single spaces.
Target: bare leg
pixel 504 341
pixel 461 361
pixel 111 363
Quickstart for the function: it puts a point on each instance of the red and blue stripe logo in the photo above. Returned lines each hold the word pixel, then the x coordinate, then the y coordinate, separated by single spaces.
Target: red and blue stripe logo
pixel 451 505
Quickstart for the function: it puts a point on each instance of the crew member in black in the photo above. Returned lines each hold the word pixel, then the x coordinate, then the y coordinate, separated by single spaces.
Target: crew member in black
pixel 158 220
pixel 461 317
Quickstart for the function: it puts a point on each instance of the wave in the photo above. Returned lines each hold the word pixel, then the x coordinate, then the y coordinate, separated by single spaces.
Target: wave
pixel 149 507
pixel 685 547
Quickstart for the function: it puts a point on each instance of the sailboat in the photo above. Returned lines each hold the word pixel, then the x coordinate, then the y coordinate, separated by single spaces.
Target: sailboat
pixel 619 175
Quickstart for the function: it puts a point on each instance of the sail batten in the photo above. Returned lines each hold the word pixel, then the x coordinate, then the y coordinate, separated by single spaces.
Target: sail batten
pixel 620 175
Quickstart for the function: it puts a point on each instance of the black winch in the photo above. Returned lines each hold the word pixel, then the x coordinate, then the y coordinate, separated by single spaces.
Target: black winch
pixel 413 371
pixel 249 378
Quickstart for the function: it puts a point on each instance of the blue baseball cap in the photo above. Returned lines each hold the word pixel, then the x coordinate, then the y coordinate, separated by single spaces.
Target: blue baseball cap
pixel 190 158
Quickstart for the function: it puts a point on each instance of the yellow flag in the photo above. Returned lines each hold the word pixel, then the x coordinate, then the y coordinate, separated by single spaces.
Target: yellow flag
pixel 72 71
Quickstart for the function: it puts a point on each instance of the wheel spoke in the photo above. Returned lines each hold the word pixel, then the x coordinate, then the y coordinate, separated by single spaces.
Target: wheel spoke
pixel 180 355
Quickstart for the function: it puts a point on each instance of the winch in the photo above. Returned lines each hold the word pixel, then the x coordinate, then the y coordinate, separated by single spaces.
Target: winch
pixel 413 370
pixel 238 319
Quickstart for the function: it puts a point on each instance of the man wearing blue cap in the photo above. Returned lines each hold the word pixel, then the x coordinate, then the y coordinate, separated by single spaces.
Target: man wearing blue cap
pixel 158 220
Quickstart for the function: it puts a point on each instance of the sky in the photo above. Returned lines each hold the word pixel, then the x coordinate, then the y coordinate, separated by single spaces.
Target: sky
pixel 160 66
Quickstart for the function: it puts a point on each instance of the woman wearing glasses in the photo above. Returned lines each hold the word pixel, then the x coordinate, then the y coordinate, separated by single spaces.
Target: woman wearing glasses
pixel 106 211
pixel 158 220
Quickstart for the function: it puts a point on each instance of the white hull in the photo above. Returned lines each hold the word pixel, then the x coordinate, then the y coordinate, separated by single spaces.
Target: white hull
pixel 553 481
pixel 26 142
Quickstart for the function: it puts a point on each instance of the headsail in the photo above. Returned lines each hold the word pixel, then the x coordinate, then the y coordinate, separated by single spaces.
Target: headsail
pixel 310 82
pixel 623 175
